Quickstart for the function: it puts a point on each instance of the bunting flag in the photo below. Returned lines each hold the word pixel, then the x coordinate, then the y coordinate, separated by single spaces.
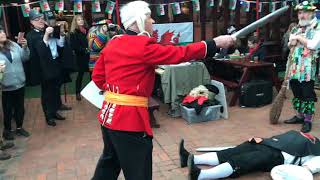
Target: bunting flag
pixel 210 3
pixel 77 6
pixel 246 6
pixel 25 9
pixel 260 7
pixel 176 8
pixel 196 5
pixel 232 4
pixel 284 3
pixel 160 10
pixel 0 12
pixel 220 3
pixel 44 5
pixel 272 7
pixel 59 6
pixel 96 6
pixel 110 7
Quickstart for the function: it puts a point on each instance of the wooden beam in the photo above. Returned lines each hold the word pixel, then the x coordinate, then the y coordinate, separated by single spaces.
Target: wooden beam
pixel 214 20
pixel 203 17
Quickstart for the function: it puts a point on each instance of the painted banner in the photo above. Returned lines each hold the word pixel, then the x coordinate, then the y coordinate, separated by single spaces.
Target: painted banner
pixel 174 33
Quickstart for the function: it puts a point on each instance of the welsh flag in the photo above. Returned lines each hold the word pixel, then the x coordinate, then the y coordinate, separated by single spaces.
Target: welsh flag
pixel 96 6
pixel 110 7
pixel 160 10
pixel 44 6
pixel 272 7
pixel 232 4
pixel 196 5
pixel 77 6
pixel 246 6
pixel 59 6
pixel 260 7
pixel 176 8
pixel 25 9
pixel 284 3
pixel 173 33
pixel 210 3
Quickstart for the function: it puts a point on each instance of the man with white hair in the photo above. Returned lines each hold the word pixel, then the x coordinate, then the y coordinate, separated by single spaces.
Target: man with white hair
pixel 304 44
pixel 126 71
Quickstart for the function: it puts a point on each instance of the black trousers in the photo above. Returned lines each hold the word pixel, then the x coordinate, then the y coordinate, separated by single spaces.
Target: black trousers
pixel 304 91
pixel 50 97
pixel 79 82
pixel 129 151
pixel 249 157
pixel 13 106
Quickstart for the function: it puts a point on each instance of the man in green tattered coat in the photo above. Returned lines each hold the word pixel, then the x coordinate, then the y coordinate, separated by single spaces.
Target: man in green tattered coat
pixel 304 44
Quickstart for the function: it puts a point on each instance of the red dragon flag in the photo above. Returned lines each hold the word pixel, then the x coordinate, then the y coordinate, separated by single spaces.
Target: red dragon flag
pixel 210 3
pixel 196 5
pixel 160 10
pixel 25 9
pixel 110 7
pixel 96 6
pixel 232 4
pixel 77 6
pixel 59 6
pixel 176 9
pixel 44 5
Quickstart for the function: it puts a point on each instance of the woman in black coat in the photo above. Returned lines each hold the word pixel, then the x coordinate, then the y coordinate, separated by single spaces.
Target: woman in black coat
pixel 79 44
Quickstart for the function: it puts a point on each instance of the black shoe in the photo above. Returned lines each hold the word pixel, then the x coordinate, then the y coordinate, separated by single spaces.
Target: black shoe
pixel 194 171
pixel 306 127
pixel 183 154
pixel 294 120
pixel 8 135
pixel 78 97
pixel 57 116
pixel 51 122
pixel 6 146
pixel 4 156
pixel 64 108
pixel 22 132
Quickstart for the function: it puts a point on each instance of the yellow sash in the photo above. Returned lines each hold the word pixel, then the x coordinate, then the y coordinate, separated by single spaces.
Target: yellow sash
pixel 126 100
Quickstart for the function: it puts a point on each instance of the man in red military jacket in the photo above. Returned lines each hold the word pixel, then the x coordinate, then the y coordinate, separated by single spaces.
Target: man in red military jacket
pixel 126 71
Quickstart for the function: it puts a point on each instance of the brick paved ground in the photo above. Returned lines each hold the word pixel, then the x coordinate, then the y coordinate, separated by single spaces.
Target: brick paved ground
pixel 71 149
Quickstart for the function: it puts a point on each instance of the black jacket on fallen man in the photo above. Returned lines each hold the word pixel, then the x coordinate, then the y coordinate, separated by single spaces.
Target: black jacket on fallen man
pixel 295 143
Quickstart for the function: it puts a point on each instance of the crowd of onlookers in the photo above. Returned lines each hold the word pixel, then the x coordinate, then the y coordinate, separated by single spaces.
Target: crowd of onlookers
pixel 49 53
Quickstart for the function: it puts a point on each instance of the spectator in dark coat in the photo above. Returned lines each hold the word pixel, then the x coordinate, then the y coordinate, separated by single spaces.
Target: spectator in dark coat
pixel 79 44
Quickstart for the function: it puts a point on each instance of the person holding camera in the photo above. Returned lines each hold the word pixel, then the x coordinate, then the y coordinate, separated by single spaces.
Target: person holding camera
pixel 45 62
pixel 97 38
pixel 79 44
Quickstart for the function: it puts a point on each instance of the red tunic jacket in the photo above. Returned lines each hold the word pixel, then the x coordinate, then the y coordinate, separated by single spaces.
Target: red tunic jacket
pixel 127 66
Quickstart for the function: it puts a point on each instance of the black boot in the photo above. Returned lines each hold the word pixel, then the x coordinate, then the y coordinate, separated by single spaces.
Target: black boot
pixel 306 127
pixel 4 156
pixel 8 135
pixel 7 145
pixel 194 171
pixel 183 154
pixel 64 107
pixel 78 97
pixel 294 120
pixel 58 116
pixel 51 122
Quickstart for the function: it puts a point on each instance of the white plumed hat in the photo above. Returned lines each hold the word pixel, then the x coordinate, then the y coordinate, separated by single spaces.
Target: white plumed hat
pixel 135 11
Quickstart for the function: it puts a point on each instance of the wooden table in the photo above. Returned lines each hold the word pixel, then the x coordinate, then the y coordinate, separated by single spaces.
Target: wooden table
pixel 248 67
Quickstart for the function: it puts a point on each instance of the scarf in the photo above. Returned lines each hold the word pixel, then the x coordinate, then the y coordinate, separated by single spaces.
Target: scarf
pixel 83 29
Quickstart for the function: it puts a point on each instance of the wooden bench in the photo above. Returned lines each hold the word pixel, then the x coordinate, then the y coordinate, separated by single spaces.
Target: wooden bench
pixel 153 105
